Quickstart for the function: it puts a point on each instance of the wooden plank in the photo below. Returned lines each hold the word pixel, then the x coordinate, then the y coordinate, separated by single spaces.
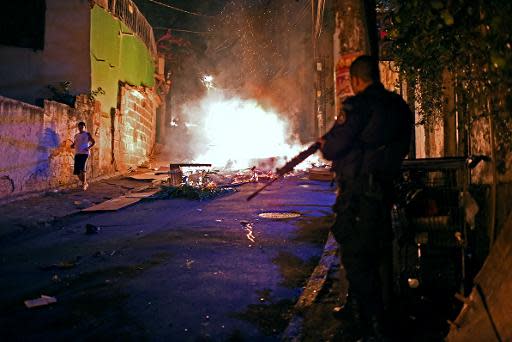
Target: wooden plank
pixel 320 173
pixel 113 204
pixel 176 165
pixel 121 202
pixel 141 194
pixel 148 176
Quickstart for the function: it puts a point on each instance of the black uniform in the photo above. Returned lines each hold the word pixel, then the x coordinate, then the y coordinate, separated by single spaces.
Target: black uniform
pixel 367 150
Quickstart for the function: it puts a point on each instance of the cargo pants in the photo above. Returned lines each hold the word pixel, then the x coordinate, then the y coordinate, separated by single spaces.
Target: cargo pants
pixel 363 230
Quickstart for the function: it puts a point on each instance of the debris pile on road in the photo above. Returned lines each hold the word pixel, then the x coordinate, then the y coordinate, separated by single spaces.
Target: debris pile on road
pixel 321 173
pixel 217 178
pixel 186 181
pixel 252 175
pixel 192 192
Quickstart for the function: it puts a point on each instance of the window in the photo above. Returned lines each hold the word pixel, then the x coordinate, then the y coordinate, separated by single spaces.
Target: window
pixel 22 23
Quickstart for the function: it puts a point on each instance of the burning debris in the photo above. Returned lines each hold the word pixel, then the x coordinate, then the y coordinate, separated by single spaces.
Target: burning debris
pixel 191 192
pixel 206 183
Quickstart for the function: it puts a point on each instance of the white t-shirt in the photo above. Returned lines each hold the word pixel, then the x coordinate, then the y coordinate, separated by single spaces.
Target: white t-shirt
pixel 82 143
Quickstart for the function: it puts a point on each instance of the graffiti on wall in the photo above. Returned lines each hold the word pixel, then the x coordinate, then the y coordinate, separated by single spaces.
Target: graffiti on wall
pixel 342 74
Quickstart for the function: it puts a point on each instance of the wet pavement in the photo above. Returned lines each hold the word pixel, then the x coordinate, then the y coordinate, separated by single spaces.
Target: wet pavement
pixel 182 270
pixel 161 269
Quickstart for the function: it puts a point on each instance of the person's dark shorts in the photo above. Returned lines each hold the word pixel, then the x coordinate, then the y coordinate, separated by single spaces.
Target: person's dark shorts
pixel 80 162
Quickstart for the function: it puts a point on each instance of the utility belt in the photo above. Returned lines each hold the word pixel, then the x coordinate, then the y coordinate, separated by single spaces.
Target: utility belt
pixel 362 191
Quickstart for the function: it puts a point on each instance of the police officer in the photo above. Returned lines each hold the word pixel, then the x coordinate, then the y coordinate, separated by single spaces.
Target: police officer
pixel 367 148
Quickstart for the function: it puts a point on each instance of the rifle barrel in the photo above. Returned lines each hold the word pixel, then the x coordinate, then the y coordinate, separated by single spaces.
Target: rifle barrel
pixel 261 189
pixel 299 158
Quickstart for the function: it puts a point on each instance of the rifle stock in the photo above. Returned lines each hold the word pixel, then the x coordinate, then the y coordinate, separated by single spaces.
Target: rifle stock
pixel 288 167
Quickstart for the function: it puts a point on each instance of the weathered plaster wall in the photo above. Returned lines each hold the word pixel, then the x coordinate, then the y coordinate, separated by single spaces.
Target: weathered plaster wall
pixel 22 152
pixel 35 142
pixel 35 145
pixel 25 73
pixel 117 55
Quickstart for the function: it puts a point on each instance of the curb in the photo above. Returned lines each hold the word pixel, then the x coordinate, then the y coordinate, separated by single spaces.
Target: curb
pixel 293 332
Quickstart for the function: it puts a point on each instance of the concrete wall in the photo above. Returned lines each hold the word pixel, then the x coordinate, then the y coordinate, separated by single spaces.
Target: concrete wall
pixel 119 57
pixel 116 55
pixel 25 73
pixel 35 142
pixel 35 145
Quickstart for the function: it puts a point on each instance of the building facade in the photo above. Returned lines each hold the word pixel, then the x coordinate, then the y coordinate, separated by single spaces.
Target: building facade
pixel 100 54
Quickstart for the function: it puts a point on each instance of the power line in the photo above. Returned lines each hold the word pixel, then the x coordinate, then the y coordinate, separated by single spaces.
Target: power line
pixel 179 9
pixel 181 30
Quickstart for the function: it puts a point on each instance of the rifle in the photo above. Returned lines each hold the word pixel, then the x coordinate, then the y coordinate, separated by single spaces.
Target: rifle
pixel 299 158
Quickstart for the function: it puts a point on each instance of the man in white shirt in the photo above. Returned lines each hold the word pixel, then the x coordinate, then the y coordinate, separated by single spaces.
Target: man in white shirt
pixel 82 143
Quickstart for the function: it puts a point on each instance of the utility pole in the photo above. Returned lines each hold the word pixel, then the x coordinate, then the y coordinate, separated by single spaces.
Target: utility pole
pixel 322 25
pixel 355 34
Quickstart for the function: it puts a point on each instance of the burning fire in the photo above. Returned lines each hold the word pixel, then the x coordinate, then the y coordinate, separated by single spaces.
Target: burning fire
pixel 233 132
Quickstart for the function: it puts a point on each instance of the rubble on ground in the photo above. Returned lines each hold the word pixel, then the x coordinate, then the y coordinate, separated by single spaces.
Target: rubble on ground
pixel 191 192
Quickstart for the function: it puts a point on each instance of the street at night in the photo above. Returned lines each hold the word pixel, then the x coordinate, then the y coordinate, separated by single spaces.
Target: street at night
pixel 256 170
pixel 175 269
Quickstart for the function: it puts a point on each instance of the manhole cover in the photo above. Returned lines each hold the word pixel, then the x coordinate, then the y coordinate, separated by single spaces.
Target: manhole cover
pixel 279 215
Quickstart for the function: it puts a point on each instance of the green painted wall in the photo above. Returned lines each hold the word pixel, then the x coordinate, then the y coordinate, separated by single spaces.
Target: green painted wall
pixel 116 55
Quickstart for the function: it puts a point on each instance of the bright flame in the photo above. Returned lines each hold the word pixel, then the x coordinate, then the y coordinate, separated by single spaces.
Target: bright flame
pixel 236 132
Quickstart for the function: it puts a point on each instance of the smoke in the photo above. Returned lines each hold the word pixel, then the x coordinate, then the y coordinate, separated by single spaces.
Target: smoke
pixel 262 50
pixel 258 52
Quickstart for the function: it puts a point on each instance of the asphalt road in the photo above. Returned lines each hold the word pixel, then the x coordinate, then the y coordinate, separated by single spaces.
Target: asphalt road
pixel 168 270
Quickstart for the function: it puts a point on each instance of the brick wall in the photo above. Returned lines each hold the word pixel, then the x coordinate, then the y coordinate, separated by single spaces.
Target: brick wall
pixel 136 129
